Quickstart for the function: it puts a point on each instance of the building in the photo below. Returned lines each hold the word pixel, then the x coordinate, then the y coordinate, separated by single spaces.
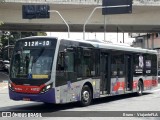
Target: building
pixel 148 41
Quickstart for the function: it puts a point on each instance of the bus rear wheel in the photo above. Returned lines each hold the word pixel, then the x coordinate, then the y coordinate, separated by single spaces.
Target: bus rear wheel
pixel 140 88
pixel 86 96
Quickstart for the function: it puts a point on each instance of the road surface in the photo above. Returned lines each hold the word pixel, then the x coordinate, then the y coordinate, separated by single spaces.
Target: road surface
pixel 110 106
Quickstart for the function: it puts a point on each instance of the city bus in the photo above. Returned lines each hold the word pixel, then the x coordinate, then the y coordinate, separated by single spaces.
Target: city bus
pixel 53 70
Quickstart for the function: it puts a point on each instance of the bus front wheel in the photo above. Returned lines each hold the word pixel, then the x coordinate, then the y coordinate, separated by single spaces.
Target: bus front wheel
pixel 86 96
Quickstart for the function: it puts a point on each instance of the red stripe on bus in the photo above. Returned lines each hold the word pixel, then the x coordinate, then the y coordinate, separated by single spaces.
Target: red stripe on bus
pixel 154 82
pixel 135 84
pixel 147 83
pixel 27 89
pixel 119 85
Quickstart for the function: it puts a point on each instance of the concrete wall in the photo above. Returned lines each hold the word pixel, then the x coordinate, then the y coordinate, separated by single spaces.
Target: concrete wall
pixel 149 41
pixel 144 18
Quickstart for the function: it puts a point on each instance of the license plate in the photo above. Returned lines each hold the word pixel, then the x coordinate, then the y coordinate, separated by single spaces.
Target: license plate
pixel 26 99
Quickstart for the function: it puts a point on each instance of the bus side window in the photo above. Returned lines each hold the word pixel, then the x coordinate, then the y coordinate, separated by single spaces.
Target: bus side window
pixel 87 65
pixel 66 61
pixel 69 61
pixel 60 62
pixel 154 65
pixel 117 65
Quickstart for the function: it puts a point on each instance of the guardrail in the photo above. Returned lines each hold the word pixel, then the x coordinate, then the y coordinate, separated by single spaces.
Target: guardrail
pixel 88 2
pixel 92 2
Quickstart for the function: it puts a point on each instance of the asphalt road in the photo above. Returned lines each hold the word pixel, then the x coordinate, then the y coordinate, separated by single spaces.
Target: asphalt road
pixel 101 107
pixel 117 107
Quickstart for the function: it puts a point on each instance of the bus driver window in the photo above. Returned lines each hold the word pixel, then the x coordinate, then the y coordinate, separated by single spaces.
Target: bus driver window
pixel 66 61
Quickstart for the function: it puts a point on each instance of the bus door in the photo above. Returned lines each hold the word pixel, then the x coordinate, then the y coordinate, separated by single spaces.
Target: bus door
pixel 129 72
pixel 105 74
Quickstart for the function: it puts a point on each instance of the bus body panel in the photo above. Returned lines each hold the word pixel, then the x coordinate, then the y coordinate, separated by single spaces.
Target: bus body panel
pixel 48 97
pixel 72 91
pixel 117 86
pixel 53 74
pixel 104 84
pixel 149 82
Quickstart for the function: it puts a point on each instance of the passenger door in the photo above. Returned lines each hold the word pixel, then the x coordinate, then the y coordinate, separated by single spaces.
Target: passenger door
pixel 105 74
pixel 129 72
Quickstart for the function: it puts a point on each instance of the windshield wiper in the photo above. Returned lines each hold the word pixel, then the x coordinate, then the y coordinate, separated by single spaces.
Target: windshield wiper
pixel 40 53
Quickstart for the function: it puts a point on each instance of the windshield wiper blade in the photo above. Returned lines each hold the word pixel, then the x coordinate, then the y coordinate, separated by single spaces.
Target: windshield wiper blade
pixel 40 53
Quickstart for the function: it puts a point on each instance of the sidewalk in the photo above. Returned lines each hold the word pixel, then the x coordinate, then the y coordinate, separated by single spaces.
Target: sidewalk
pixel 3 84
pixel 3 77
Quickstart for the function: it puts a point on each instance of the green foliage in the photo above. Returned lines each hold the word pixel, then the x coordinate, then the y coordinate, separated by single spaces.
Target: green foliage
pixel 7 38
pixel 28 34
pixel 1 23
pixel 41 34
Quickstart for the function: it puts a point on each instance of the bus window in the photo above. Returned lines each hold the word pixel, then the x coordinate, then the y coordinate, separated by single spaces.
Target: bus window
pixel 33 62
pixel 117 65
pixel 27 63
pixel 69 61
pixel 154 65
pixel 66 61
pixel 86 65
pixel 60 62
pixel 148 65
pixel 138 64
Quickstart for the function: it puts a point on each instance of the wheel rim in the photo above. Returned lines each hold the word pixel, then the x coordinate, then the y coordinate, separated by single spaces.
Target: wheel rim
pixel 86 96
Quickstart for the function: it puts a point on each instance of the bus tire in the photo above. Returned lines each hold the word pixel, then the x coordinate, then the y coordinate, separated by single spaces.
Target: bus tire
pixel 140 88
pixel 86 96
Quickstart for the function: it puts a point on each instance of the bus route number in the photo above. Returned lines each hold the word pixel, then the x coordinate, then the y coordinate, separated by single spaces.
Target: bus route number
pixel 37 43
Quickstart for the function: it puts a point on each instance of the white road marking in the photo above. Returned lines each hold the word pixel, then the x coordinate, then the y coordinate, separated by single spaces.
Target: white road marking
pixel 155 90
pixel 5 81
pixel 5 87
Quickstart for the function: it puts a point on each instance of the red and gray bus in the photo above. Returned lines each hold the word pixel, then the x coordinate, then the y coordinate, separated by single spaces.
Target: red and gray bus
pixel 53 70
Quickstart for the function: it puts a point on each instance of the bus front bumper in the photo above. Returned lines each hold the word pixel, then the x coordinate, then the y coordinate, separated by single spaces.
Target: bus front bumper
pixel 47 97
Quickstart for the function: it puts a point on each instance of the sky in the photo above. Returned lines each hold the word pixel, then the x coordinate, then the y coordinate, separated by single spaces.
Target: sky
pixel 95 35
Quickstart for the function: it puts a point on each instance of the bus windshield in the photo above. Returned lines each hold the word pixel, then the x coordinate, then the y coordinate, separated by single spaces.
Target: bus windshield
pixel 32 61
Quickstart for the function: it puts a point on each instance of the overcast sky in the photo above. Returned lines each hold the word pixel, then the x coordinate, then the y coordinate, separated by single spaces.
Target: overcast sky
pixel 109 36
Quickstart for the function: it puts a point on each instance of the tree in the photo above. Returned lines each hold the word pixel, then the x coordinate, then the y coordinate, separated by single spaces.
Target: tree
pixel 7 38
pixel 1 23
pixel 28 34
pixel 41 34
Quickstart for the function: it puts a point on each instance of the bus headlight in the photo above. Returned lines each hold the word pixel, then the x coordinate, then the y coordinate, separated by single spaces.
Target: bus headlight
pixel 10 86
pixel 46 88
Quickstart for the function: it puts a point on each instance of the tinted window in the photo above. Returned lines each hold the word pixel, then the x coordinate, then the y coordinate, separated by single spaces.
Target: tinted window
pixel 32 59
pixel 117 64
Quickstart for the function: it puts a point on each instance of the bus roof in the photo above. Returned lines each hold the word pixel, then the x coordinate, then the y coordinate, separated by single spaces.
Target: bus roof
pixel 112 46
pixel 104 45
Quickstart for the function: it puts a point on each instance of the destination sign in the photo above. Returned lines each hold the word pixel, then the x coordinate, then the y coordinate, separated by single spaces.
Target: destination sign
pixel 37 43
